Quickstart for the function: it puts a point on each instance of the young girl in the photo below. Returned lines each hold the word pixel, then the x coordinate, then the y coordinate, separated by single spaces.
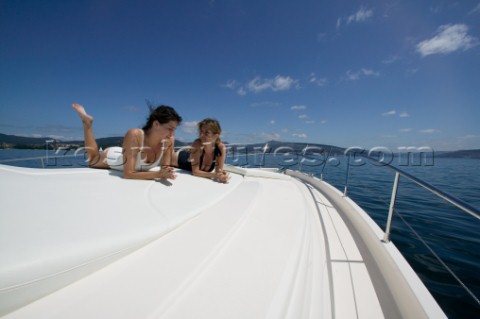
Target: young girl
pixel 141 150
pixel 207 153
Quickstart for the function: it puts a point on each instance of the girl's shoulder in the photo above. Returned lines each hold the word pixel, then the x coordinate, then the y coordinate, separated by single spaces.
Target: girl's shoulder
pixel 222 149
pixel 137 132
pixel 134 135
pixel 221 146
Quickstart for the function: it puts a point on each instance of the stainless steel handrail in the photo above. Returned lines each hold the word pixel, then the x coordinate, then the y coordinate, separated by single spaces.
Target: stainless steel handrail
pixel 434 190
pixel 464 206
pixel 449 198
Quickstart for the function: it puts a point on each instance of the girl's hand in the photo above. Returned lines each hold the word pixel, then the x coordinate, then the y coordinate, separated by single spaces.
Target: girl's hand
pixel 167 172
pixel 222 177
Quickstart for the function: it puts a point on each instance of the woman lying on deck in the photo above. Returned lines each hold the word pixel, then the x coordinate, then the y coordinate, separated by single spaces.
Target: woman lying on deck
pixel 142 149
pixel 206 156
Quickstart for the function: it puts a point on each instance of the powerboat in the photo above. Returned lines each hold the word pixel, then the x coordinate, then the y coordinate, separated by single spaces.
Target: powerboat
pixel 86 243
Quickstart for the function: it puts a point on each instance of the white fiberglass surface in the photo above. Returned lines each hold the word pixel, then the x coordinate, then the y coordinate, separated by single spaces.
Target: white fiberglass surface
pixel 59 225
pixel 256 248
pixel 249 255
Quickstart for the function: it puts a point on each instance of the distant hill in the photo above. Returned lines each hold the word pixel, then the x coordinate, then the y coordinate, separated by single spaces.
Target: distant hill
pixel 21 142
pixel 461 154
pixel 13 141
pixel 101 142
pixel 296 147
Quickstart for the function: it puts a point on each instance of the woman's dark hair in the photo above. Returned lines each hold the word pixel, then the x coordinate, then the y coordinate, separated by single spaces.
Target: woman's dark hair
pixel 163 114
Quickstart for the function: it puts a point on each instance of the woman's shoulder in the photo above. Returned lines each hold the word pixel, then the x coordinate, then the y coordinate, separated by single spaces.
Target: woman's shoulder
pixel 133 135
pixel 134 132
pixel 222 149
pixel 221 146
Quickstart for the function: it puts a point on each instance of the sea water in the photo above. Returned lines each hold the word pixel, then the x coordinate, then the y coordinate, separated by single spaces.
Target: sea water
pixel 451 233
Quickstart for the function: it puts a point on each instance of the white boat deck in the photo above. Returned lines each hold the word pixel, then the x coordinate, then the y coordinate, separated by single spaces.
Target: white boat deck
pixel 84 243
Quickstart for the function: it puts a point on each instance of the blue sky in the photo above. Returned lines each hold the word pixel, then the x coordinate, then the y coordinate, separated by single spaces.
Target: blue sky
pixel 385 73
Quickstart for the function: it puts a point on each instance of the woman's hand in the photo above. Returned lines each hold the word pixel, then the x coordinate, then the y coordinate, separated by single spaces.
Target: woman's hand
pixel 222 177
pixel 167 172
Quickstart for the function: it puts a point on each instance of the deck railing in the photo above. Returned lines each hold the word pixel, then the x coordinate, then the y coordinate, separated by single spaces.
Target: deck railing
pixel 432 189
pixel 462 205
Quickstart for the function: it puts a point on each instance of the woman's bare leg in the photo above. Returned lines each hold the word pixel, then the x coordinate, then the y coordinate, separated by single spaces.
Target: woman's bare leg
pixel 90 143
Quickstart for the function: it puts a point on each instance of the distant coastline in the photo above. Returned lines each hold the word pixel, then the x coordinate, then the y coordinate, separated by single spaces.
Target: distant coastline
pixel 21 142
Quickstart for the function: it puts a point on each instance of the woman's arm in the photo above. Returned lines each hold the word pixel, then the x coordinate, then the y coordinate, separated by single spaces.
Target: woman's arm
pixel 167 157
pixel 131 147
pixel 220 160
pixel 221 175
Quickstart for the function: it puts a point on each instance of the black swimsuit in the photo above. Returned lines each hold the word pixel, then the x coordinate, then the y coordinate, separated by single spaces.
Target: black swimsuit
pixel 184 159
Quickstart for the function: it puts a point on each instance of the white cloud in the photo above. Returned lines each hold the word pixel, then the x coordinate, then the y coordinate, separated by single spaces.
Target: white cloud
pixel 470 136
pixel 272 122
pixel 270 136
pixel 303 116
pixel 298 107
pixel 449 38
pixel 353 76
pixel 369 72
pixel 475 10
pixel 189 126
pixel 361 15
pixel 317 81
pixel 391 59
pixel 278 83
pixel 394 112
pixel 231 84
pixel 411 72
pixel 299 135
pixel 256 85
pixel 405 130
pixel 241 91
pixel 389 113
pixel 339 22
pixel 429 131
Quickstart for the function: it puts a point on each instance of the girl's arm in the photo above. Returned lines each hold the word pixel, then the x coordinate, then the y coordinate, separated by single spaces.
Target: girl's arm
pixel 167 157
pixel 220 160
pixel 221 175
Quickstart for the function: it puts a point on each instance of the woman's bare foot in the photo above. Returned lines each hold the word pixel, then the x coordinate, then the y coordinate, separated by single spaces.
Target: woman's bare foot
pixel 86 119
